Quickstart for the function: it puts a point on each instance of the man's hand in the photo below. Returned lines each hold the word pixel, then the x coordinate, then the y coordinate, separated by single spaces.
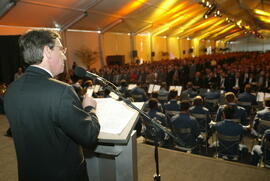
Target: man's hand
pixel 88 101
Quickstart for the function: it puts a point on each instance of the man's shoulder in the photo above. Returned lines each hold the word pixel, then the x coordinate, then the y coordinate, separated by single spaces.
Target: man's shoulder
pixel 59 83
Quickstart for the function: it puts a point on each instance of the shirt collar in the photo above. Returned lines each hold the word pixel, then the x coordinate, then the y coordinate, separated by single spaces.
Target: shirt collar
pixel 43 69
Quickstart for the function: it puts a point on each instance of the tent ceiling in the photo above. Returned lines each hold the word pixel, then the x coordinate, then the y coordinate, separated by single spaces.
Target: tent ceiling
pixel 181 18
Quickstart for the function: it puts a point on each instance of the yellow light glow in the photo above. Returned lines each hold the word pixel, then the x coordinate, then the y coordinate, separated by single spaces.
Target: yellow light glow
pixel 130 7
pixel 239 22
pixel 200 25
pixel 212 29
pixel 184 16
pixel 183 9
pixel 261 12
pixel 187 25
pixel 166 5
pixel 224 30
pixel 234 35
pixel 264 19
pixel 247 27
pixel 161 31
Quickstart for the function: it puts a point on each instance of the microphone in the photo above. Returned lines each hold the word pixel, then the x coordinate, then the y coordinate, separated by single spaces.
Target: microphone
pixel 81 72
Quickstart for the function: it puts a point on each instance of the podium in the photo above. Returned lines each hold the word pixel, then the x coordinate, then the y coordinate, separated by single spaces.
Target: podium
pixel 115 157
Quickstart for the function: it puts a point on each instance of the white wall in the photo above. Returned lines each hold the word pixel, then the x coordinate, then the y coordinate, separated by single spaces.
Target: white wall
pixel 249 44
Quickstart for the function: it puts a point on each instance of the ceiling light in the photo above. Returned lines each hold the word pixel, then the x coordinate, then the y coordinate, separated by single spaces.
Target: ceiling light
pixel 261 12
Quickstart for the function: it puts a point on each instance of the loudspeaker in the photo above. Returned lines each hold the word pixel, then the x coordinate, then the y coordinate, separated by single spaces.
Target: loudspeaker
pixel 184 52
pixel 115 59
pixel 191 50
pixel 152 54
pixel 134 53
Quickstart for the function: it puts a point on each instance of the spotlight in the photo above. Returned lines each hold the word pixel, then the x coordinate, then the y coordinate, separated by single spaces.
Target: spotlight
pixel 210 10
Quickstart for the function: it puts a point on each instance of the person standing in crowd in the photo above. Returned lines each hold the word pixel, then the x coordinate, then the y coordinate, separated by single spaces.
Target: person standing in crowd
pixel 18 74
pixel 262 119
pixel 49 123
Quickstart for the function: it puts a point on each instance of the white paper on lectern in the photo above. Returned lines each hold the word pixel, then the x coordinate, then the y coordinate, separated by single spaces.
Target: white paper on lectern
pixel 114 115
pixel 260 96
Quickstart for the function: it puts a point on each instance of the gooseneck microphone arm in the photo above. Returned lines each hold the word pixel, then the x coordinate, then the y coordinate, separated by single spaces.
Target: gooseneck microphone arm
pixel 80 72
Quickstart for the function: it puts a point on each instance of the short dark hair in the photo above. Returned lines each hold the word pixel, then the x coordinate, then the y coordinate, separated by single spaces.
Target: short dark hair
pixel 228 112
pixel 248 88
pixel 154 94
pixel 153 103
pixel 172 94
pixel 33 42
pixel 230 97
pixel 184 105
pixel 123 83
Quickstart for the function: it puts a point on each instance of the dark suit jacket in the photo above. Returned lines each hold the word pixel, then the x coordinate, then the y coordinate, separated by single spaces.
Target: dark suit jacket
pixel 48 126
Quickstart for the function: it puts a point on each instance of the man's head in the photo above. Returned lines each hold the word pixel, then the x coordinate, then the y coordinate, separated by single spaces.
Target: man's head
pixel 43 47
pixel 198 100
pixel 172 94
pixel 228 112
pixel 184 106
pixel 153 103
pixel 248 88
pixel 230 97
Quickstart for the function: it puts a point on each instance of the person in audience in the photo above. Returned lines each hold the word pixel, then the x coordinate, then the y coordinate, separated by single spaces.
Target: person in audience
pixel 240 114
pixel 19 73
pixel 238 81
pixel 172 107
pixel 163 93
pixel 189 93
pixel 123 88
pixel 262 119
pixel 262 151
pixel 197 81
pixel 149 130
pixel 248 100
pixel 186 128
pixel 138 93
pixel 265 87
pixel 229 134
pixel 154 95
pixel 201 114
pixel 211 98
pixel 49 123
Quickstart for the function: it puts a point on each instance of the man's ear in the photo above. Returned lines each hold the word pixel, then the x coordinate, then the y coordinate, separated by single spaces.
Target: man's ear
pixel 47 52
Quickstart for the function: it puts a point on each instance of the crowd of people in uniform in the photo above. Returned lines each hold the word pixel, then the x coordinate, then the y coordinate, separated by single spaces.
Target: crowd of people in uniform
pixel 218 100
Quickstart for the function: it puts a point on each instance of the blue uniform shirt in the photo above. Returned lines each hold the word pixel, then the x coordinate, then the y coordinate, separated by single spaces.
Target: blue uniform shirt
pixel 186 128
pixel 240 114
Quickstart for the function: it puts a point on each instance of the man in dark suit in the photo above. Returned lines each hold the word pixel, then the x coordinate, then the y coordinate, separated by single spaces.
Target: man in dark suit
pixel 48 121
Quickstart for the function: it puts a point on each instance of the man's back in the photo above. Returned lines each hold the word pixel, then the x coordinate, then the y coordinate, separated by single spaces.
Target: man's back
pixel 43 115
pixel 186 128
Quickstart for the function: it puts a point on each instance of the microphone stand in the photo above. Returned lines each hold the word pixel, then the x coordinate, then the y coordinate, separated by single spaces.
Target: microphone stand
pixel 112 88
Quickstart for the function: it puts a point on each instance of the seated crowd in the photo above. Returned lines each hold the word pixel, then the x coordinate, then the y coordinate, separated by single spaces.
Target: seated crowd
pixel 216 109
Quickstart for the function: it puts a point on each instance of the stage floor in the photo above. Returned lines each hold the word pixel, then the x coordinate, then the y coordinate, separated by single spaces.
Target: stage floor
pixel 174 165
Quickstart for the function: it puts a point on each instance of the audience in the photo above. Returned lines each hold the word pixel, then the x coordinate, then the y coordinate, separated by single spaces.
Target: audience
pixel 203 79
